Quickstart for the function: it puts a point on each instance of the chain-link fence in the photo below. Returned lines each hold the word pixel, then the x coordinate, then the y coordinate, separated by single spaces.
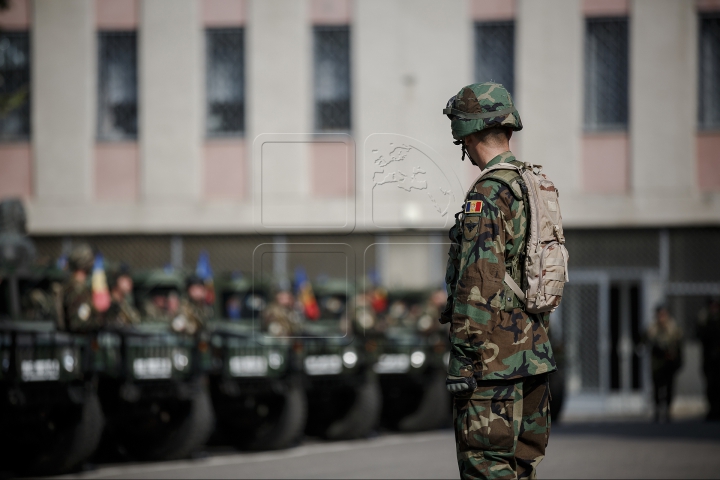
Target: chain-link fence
pixel 709 62
pixel 14 85
pixel 225 82
pixel 606 74
pixel 117 86
pixel 495 53
pixel 332 78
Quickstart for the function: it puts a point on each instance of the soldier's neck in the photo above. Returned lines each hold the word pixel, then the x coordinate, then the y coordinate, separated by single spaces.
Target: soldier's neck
pixel 481 154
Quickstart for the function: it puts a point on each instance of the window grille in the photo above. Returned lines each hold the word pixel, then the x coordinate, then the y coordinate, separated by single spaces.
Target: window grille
pixel 332 78
pixel 495 53
pixel 225 82
pixel 117 86
pixel 606 74
pixel 14 85
pixel 709 102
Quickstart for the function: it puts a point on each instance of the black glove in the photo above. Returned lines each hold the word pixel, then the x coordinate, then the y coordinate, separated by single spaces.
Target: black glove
pixel 460 384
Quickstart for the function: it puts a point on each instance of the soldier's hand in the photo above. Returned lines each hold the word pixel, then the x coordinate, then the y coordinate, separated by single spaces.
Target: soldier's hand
pixel 456 384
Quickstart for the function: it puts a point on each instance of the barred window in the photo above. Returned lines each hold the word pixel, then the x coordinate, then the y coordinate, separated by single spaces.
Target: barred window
pixel 225 82
pixel 495 53
pixel 606 74
pixel 14 85
pixel 332 78
pixel 117 86
pixel 709 102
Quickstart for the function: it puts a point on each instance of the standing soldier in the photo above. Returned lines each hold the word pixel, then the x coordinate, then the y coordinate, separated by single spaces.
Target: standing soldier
pixel 194 310
pixel 79 314
pixel 665 340
pixel 279 319
pixel 709 334
pixel 121 309
pixel 500 353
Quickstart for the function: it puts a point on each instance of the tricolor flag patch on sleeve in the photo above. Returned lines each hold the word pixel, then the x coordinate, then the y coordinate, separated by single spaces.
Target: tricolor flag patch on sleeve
pixel 473 206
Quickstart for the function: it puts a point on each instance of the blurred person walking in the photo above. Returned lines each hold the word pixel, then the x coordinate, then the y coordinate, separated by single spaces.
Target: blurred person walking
pixel 501 355
pixel 664 338
pixel 708 331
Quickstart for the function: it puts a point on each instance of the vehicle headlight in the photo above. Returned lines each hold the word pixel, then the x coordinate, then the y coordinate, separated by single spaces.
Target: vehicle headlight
pixel 417 359
pixel 180 360
pixel 275 360
pixel 349 358
pixel 68 360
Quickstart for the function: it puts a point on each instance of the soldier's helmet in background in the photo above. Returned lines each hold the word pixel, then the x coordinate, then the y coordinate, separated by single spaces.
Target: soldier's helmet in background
pixel 480 106
pixel 81 258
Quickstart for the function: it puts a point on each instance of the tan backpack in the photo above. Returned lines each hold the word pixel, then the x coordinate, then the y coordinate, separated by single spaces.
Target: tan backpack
pixel 546 258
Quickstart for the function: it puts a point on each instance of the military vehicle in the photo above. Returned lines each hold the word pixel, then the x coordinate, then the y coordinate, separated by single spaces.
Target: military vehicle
pixel 255 381
pixel 344 398
pixel 51 419
pixel 150 378
pixel 412 363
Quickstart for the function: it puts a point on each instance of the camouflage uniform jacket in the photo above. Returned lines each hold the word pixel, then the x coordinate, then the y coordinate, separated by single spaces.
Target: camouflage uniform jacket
pixel 279 321
pixel 491 335
pixel 123 312
pixel 78 310
pixel 196 314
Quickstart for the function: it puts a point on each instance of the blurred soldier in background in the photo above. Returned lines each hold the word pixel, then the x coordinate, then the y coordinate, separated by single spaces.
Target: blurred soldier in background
pixel 501 355
pixel 665 340
pixel 708 330
pixel 431 311
pixel 194 310
pixel 279 319
pixel 121 309
pixel 79 315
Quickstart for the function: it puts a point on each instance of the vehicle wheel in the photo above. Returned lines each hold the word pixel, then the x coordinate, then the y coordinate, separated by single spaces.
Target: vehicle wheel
pixel 288 428
pixel 363 416
pixel 557 391
pixel 75 444
pixel 433 408
pixel 186 434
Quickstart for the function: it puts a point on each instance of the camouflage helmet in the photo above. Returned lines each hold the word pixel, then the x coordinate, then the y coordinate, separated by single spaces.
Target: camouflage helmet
pixel 81 257
pixel 480 106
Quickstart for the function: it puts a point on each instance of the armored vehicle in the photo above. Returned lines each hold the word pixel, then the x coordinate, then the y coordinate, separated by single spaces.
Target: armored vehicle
pixel 344 397
pixel 412 363
pixel 255 381
pixel 151 381
pixel 51 419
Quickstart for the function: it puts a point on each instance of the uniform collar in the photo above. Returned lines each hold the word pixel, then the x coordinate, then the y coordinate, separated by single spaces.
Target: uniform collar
pixel 504 157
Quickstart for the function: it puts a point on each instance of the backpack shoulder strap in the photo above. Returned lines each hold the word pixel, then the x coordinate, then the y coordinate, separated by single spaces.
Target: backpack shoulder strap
pixel 506 173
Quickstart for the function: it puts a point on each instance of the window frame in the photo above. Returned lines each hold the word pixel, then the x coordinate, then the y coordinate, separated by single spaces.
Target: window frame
pixel 703 123
pixel 318 124
pixel 219 134
pixel 477 57
pixel 102 103
pixel 26 134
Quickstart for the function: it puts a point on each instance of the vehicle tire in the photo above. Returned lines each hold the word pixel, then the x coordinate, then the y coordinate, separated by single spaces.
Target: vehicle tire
pixel 557 392
pixel 433 408
pixel 363 416
pixel 76 444
pixel 288 428
pixel 189 433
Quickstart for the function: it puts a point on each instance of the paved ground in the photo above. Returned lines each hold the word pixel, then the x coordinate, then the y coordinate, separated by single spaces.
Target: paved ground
pixel 576 450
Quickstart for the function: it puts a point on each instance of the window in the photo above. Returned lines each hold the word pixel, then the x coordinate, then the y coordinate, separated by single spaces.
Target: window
pixel 709 101
pixel 495 53
pixel 117 86
pixel 606 74
pixel 225 82
pixel 332 78
pixel 14 86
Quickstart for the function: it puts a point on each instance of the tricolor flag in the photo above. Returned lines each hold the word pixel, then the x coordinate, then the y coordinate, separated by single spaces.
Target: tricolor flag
pixel 305 295
pixel 204 271
pixel 100 292
pixel 473 206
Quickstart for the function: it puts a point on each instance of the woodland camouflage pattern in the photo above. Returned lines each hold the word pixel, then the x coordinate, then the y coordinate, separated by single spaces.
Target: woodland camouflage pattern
pixel 482 98
pixel 502 429
pixel 491 336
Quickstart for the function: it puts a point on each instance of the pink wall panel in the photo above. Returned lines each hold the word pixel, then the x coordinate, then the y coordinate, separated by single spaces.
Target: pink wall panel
pixel 225 170
pixel 708 152
pixel 17 17
pixel 223 13
pixel 708 5
pixel 482 10
pixel 116 14
pixel 15 170
pixel 331 12
pixel 117 168
pixel 332 170
pixel 605 163
pixel 606 8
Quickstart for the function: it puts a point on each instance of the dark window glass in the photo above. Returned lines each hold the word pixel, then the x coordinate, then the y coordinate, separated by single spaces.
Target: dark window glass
pixel 14 86
pixel 709 101
pixel 495 53
pixel 332 78
pixel 606 74
pixel 117 86
pixel 225 82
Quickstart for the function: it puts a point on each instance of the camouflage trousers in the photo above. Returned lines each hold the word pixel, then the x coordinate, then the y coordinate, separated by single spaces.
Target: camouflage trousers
pixel 502 428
